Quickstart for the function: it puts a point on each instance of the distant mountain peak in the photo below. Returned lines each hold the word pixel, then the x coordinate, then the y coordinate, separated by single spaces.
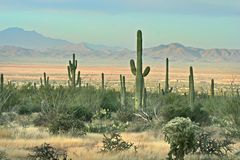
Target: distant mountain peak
pixel 16 36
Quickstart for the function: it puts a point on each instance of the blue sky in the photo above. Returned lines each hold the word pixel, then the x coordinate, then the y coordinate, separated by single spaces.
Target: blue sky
pixel 199 23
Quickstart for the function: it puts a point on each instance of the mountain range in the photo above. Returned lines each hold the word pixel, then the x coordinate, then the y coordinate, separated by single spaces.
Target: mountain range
pixel 18 45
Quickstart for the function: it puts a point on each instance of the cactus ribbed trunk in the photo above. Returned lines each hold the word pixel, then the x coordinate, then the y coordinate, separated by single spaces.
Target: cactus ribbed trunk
pixel 1 82
pixel 139 77
pixel 103 86
pixel 137 71
pixel 145 98
pixel 191 87
pixel 167 89
pixel 122 91
pixel 212 88
pixel 166 78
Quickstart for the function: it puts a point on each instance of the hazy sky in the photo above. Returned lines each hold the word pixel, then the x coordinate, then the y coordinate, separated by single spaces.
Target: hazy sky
pixel 199 23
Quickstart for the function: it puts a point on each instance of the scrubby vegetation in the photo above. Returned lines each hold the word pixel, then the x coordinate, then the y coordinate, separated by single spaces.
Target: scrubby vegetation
pixel 194 124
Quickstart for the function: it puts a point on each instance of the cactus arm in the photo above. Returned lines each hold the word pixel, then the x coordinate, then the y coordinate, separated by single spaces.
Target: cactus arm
pixel 133 67
pixel 146 71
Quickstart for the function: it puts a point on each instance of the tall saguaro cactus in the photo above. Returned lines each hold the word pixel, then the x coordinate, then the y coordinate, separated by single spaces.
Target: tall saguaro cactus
pixel 122 90
pixel 72 67
pixel 191 87
pixel 212 88
pixel 1 82
pixel 167 89
pixel 45 80
pixel 137 72
pixel 103 84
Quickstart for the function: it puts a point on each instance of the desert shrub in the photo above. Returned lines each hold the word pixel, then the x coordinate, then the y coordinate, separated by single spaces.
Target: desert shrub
pixel 181 133
pixel 199 115
pixel 110 101
pixel 47 152
pixel 23 110
pixel 82 113
pixel 125 114
pixel 3 155
pixel 171 111
pixel 211 146
pixel 66 124
pixel 115 143
pixel 225 112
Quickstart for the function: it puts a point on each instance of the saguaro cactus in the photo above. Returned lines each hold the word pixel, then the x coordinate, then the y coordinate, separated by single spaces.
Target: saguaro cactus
pixel 122 90
pixel 167 89
pixel 45 80
pixel 103 84
pixel 72 67
pixel 1 82
pixel 137 72
pixel 212 88
pixel 191 87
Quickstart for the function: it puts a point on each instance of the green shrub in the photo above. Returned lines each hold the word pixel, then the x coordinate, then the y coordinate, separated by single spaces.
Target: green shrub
pixel 199 115
pixel 181 133
pixel 66 124
pixel 175 110
pixel 82 113
pixel 110 101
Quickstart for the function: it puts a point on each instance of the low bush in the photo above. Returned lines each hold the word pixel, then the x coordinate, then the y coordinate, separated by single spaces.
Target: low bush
pixel 115 143
pixel 66 124
pixel 47 152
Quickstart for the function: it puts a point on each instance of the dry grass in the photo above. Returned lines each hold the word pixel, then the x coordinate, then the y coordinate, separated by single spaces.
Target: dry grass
pixel 18 142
